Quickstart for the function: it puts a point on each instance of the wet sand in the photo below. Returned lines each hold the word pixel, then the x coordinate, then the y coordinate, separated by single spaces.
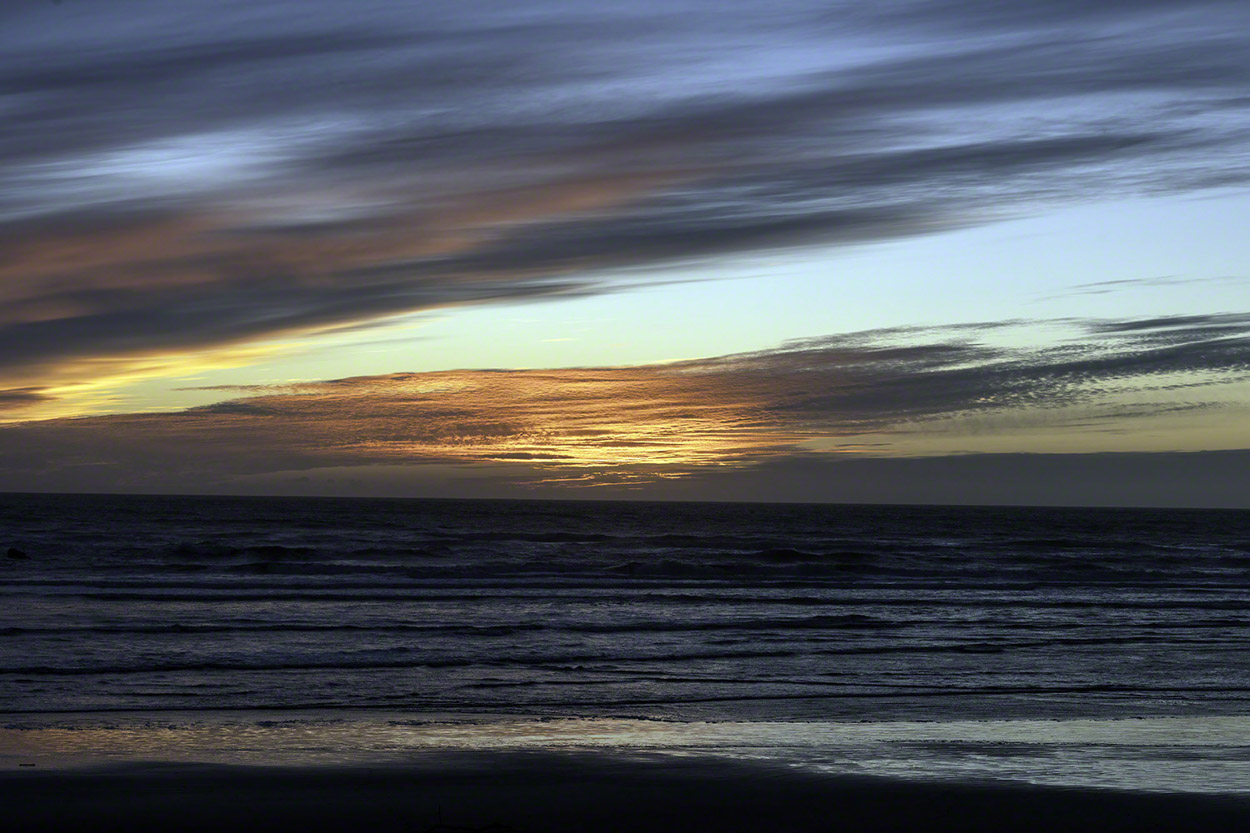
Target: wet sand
pixel 539 792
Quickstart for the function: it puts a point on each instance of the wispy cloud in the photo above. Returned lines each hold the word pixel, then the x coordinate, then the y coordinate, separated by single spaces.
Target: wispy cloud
pixel 1126 284
pixel 170 187
pixel 17 398
pixel 642 423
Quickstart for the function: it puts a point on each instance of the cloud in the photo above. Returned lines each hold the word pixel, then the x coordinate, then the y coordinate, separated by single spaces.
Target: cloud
pixel 1060 14
pixel 16 399
pixel 626 425
pixel 1121 284
pixel 180 183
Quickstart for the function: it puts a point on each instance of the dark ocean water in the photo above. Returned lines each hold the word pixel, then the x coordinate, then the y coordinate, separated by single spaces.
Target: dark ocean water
pixel 570 609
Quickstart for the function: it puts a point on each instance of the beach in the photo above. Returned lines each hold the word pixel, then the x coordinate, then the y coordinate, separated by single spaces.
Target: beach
pixel 269 772
pixel 551 792
pixel 197 664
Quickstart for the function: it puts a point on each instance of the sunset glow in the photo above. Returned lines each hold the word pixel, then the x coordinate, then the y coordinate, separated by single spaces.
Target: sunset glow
pixel 618 248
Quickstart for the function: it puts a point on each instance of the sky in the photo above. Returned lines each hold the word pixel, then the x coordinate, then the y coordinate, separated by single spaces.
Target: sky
pixel 910 251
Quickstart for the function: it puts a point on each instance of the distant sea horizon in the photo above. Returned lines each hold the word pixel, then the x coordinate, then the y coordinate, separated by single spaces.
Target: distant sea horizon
pixel 625 498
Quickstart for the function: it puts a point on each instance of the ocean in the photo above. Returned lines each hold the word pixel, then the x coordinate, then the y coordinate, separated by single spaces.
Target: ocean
pixel 1104 647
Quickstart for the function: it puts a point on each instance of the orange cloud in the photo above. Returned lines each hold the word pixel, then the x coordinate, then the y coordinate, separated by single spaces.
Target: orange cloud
pixel 87 308
pixel 842 395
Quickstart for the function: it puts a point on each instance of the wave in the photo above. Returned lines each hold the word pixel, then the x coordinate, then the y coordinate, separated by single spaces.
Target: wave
pixel 625 661
pixel 529 537
pixel 725 594
pixel 834 622
pixel 350 663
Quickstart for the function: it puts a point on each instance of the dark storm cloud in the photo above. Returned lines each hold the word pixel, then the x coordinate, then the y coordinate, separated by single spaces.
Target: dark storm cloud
pixel 623 425
pixel 177 178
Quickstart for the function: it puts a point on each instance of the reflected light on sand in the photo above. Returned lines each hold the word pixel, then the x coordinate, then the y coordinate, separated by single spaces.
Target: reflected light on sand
pixel 1200 754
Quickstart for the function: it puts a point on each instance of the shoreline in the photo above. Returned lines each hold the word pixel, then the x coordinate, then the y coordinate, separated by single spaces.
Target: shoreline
pixel 1182 755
